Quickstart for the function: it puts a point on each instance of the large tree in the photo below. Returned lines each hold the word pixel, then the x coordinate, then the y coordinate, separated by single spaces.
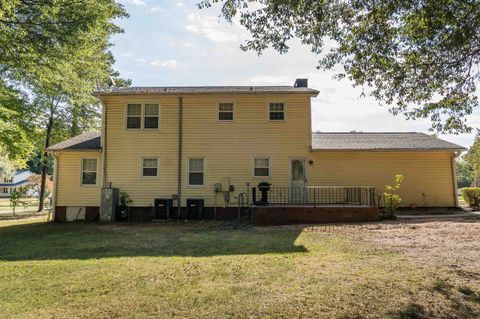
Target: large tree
pixel 58 51
pixel 419 57
pixel 472 159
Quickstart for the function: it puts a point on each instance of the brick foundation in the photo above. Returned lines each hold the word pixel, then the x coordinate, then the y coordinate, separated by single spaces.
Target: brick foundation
pixel 60 214
pixel 269 216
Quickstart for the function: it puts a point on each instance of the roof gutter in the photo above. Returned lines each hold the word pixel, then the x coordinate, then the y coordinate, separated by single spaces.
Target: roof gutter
pixel 390 150
pixel 99 95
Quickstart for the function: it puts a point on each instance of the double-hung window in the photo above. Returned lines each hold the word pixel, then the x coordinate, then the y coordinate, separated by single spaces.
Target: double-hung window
pixel 89 171
pixel 143 116
pixel 151 116
pixel 261 167
pixel 149 167
pixel 226 112
pixel 276 111
pixel 195 171
pixel 134 115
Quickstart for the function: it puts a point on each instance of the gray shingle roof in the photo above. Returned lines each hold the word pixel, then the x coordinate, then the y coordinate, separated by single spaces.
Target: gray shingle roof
pixel 169 90
pixel 85 141
pixel 380 141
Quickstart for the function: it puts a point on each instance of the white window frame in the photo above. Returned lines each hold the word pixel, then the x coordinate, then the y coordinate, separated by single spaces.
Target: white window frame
pixel 233 112
pixel 142 167
pixel 284 111
pixel 81 172
pixel 142 115
pixel 128 116
pixel 188 171
pixel 269 166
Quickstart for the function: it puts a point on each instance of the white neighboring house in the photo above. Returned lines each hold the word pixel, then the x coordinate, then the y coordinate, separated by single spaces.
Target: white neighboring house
pixel 20 179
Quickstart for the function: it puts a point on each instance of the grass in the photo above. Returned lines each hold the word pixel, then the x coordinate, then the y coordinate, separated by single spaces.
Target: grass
pixel 211 270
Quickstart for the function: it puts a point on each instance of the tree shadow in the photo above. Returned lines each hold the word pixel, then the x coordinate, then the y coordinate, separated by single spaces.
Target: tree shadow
pixel 48 241
pixel 458 299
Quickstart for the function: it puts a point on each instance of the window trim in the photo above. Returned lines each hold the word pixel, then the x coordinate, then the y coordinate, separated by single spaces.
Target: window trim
pixel 284 111
pixel 269 166
pixel 141 167
pixel 81 172
pixel 233 111
pixel 188 171
pixel 142 115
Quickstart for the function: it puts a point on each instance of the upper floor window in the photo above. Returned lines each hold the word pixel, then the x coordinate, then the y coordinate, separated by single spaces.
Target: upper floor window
pixel 195 171
pixel 150 167
pixel 134 115
pixel 261 167
pixel 89 171
pixel 144 116
pixel 151 116
pixel 277 111
pixel 225 112
pixel 8 180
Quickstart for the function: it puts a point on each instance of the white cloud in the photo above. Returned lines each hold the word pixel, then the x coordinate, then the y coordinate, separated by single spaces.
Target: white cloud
pixel 168 64
pixel 136 2
pixel 180 4
pixel 157 9
pixel 210 28
pixel 271 80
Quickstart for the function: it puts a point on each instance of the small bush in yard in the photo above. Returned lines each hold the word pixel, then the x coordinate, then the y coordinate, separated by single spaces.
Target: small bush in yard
pixel 471 195
pixel 17 198
pixel 392 199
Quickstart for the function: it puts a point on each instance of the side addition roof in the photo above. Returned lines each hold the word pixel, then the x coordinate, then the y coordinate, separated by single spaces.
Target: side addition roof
pixel 85 141
pixel 398 141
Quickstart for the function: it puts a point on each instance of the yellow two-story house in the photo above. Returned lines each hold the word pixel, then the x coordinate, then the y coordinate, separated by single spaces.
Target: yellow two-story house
pixel 216 144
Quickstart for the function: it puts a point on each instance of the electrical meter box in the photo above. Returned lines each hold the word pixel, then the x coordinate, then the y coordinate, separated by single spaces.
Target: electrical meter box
pixel 225 181
pixel 109 204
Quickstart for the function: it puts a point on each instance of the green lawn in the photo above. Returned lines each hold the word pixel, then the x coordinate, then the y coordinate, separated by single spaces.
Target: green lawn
pixel 209 270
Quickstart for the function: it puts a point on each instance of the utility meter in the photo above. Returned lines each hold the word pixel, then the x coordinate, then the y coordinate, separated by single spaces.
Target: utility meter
pixel 217 187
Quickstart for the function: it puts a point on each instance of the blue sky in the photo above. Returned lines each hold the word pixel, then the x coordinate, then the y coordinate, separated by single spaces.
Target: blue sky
pixel 172 42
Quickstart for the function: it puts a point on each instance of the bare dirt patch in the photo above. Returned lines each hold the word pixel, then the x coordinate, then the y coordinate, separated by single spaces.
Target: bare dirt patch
pixel 448 242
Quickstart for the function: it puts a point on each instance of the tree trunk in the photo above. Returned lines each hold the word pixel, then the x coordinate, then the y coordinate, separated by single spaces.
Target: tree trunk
pixel 45 162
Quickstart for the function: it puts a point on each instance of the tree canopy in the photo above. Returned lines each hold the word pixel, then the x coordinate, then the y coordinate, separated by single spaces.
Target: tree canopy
pixel 419 57
pixel 53 54
pixel 472 158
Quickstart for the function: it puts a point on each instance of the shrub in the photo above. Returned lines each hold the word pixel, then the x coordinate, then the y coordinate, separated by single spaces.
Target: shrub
pixel 471 195
pixel 392 199
pixel 17 198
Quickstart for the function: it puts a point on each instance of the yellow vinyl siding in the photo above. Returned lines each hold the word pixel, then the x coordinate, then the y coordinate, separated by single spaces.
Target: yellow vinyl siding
pixel 69 190
pixel 228 148
pixel 427 175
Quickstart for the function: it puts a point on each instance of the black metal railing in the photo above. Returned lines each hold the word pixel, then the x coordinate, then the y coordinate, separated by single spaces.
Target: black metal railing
pixel 323 196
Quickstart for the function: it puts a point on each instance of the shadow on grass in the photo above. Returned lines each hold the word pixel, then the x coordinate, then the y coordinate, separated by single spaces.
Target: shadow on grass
pixel 48 241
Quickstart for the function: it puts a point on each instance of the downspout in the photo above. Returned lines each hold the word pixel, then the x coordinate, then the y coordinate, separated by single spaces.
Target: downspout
pixel 180 146
pixel 55 187
pixel 454 177
pixel 103 143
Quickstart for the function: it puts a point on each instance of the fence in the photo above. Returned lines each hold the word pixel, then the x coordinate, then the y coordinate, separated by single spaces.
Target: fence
pixel 324 195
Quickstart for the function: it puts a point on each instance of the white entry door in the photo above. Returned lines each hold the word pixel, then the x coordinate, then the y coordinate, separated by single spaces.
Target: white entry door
pixel 298 182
